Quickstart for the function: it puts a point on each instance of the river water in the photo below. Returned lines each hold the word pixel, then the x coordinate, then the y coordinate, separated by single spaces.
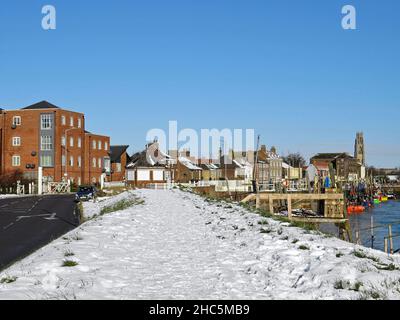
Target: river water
pixel 383 214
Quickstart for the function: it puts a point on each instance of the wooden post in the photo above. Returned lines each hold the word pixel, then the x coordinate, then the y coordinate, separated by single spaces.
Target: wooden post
pixel 391 239
pixel 372 232
pixel 258 201
pixel 271 205
pixel 289 206
pixel 357 237
pixel 386 245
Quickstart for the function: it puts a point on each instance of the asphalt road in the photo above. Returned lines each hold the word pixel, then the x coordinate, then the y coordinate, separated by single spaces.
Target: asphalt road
pixel 29 223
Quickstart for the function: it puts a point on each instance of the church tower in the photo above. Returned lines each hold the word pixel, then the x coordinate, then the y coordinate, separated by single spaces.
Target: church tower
pixel 359 149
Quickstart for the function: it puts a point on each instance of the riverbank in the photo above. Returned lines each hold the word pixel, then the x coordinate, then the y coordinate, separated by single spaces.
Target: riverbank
pixel 177 245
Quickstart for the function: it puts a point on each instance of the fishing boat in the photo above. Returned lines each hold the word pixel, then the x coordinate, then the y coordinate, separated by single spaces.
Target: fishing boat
pixel 355 209
pixel 384 199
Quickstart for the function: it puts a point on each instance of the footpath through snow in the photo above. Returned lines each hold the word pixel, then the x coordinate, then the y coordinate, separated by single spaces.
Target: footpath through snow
pixel 179 246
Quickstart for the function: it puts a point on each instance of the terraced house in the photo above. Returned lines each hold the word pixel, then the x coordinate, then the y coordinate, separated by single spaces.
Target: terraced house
pixel 47 136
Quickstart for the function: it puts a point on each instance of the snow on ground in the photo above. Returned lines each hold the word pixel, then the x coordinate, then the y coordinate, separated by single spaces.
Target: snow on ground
pixel 179 246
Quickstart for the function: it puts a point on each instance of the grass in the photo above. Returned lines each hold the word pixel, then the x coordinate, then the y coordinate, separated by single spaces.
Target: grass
pixel 303 247
pixel 339 255
pixel 362 255
pixel 8 279
pixel 68 253
pixel 295 241
pixel 342 285
pixel 387 267
pixel 121 205
pixel 265 231
pixel 69 263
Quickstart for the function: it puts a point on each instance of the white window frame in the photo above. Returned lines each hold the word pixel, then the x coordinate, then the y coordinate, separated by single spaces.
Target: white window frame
pixel 46 121
pixel 17 120
pixel 16 141
pixel 79 142
pixel 99 145
pixel 16 161
pixel 49 163
pixel 71 161
pixel 94 144
pixel 94 163
pixel 106 146
pixel 71 141
pixel 63 120
pixel 79 161
pixel 71 121
pixel 63 141
pixel 46 143
pixel 79 122
pixel 99 162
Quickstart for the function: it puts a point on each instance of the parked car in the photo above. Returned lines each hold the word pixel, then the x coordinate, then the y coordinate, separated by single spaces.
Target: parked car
pixel 86 193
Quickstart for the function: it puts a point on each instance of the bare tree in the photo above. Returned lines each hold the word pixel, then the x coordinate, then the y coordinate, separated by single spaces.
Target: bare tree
pixel 295 160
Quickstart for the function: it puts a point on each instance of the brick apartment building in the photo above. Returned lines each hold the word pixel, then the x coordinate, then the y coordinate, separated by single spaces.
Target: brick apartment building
pixel 55 139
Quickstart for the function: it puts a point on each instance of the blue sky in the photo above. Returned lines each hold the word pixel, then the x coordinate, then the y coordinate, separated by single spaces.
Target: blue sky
pixel 285 68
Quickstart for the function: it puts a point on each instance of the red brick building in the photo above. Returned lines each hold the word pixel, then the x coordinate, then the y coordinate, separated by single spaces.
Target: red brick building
pixel 119 160
pixel 44 135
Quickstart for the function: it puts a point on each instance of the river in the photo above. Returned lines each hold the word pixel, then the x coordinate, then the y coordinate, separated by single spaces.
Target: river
pixel 383 214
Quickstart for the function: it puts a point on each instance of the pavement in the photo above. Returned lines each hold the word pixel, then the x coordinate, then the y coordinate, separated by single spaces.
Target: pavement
pixel 29 223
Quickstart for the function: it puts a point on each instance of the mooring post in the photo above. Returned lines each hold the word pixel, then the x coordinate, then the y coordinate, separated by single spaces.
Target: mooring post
pixel 372 232
pixel 386 245
pixel 390 239
pixel 258 201
pixel 357 237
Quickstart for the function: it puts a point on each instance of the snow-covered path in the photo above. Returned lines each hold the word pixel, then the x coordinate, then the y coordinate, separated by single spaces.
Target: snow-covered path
pixel 179 246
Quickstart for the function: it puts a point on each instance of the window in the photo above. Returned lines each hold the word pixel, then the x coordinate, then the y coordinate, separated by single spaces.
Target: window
pixel 79 181
pixel 63 120
pixel 63 141
pixel 79 142
pixel 46 143
pixel 99 162
pixel 99 145
pixel 79 161
pixel 46 121
pixel 94 144
pixel 71 141
pixel 94 162
pixel 16 120
pixel 16 141
pixel 71 121
pixel 71 161
pixel 79 123
pixel 105 146
pixel 16 161
pixel 63 160
pixel 46 161
pixel 118 167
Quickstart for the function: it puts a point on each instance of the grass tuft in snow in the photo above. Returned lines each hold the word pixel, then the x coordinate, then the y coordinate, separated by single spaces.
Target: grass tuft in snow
pixel 362 255
pixel 68 253
pixel 8 279
pixel 303 247
pixel 121 205
pixel 69 263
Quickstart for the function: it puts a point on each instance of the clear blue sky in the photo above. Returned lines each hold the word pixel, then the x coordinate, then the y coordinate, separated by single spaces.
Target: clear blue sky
pixel 285 68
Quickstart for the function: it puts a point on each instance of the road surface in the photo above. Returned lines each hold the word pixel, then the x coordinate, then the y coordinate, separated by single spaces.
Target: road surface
pixel 29 223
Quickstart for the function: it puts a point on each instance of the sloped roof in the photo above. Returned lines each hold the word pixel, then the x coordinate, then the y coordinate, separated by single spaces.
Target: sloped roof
pixel 41 105
pixel 146 159
pixel 116 152
pixel 324 156
pixel 188 164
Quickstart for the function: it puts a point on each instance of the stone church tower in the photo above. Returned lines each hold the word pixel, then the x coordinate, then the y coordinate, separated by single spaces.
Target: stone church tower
pixel 359 149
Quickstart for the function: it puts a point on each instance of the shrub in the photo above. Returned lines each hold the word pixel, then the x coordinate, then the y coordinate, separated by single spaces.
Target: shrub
pixel 8 279
pixel 69 263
